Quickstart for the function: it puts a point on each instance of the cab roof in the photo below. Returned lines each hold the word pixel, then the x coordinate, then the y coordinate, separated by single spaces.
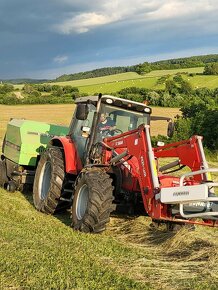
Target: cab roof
pixel 114 101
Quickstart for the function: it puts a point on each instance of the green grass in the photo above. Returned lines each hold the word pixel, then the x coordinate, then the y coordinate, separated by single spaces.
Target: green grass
pixel 116 86
pixel 159 73
pixel 20 86
pixel 42 252
pixel 100 80
pixel 112 83
pixel 127 76
pixel 201 81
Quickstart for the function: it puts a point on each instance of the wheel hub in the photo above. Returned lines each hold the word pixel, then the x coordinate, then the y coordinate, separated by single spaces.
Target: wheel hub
pixel 82 201
pixel 45 180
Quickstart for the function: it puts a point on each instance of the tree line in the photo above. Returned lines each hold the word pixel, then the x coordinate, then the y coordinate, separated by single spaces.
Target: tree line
pixel 38 94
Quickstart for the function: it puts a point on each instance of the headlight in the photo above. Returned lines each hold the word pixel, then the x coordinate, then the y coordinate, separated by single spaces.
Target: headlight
pixel 147 110
pixel 109 101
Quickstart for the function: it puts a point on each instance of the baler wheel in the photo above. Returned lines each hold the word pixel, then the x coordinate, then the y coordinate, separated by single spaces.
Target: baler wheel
pixel 3 144
pixel 92 203
pixel 3 173
pixel 48 182
pixel 11 186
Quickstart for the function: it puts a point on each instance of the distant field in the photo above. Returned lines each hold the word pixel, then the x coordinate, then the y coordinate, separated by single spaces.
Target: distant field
pixel 159 73
pixel 128 76
pixel 197 81
pixel 116 86
pixel 58 114
pixel 114 83
pixel 20 86
pixel 100 80
pixel 62 114
pixel 201 81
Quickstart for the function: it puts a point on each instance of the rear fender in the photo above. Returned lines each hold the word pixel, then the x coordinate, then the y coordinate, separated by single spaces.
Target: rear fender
pixel 73 164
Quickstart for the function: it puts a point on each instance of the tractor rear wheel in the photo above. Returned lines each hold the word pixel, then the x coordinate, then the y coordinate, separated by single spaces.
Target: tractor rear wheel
pixel 48 182
pixel 92 203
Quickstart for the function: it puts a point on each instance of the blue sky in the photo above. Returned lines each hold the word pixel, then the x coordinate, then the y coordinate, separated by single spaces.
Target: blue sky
pixel 45 39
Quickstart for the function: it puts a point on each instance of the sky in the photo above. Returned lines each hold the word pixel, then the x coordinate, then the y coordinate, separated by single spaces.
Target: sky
pixel 48 38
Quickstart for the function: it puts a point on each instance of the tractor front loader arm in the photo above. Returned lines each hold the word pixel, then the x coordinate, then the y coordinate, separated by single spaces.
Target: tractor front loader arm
pixel 139 159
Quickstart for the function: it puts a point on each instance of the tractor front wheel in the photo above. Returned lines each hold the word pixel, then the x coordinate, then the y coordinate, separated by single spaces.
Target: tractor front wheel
pixel 92 203
pixel 48 182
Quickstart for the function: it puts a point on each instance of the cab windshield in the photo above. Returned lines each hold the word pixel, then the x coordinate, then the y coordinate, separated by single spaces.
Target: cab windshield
pixel 114 121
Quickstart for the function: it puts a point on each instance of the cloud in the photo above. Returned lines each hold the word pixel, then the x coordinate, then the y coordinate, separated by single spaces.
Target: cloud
pixel 72 35
pixel 105 12
pixel 108 12
pixel 60 59
pixel 83 22
pixel 182 8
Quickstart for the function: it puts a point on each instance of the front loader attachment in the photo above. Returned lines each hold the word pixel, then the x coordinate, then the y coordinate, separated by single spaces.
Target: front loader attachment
pixel 192 196
pixel 195 201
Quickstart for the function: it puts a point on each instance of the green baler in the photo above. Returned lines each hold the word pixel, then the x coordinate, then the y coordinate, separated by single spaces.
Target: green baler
pixel 24 142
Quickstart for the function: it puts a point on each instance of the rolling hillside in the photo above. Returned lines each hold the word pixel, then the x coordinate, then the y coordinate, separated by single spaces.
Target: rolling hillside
pixel 114 83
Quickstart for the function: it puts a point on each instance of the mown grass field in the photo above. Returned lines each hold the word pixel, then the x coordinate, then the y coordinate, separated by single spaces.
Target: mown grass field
pixel 43 252
pixel 62 114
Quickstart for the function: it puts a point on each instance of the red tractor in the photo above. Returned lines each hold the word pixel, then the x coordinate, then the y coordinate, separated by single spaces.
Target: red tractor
pixel 107 160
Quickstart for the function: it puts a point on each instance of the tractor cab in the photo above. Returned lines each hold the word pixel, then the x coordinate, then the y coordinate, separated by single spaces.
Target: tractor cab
pixel 98 117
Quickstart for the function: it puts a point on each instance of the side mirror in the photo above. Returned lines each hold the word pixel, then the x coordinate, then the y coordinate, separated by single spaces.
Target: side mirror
pixel 170 129
pixel 82 112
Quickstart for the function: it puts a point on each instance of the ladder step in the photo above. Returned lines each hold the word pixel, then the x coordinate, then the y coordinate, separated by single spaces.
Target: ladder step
pixel 68 190
pixel 66 199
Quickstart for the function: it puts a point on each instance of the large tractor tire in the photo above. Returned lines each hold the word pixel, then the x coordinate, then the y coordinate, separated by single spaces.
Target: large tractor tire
pixel 48 182
pixel 92 203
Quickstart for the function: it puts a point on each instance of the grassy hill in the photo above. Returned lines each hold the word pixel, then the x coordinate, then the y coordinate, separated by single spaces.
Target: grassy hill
pixel 114 83
pixel 42 252
pixel 128 76
pixel 145 67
